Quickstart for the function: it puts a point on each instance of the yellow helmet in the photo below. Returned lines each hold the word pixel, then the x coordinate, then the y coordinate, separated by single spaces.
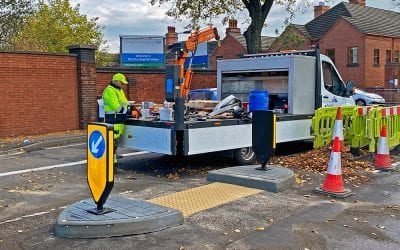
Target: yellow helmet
pixel 120 77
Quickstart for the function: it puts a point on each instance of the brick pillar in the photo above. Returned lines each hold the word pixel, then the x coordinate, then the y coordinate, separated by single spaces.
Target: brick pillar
pixel 171 37
pixel 87 94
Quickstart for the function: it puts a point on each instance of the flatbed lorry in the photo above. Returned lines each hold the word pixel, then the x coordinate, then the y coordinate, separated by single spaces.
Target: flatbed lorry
pixel 309 79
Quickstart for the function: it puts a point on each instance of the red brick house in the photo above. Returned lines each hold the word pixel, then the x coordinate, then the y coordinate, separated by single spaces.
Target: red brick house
pixel 364 42
pixel 234 45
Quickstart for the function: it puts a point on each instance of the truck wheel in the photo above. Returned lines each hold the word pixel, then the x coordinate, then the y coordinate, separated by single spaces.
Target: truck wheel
pixel 245 156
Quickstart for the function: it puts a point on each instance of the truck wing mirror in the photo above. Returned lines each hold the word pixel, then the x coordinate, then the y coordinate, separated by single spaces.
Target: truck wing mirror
pixel 349 88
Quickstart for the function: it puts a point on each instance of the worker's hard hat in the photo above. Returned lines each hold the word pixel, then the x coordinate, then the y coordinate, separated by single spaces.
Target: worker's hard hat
pixel 120 77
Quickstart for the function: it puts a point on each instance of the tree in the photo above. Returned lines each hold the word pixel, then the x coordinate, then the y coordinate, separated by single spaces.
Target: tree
pixel 54 26
pixel 258 10
pixel 13 15
pixel 288 40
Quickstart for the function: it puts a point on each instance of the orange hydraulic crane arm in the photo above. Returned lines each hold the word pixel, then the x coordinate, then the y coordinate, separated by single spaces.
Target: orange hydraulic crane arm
pixel 191 43
pixel 200 36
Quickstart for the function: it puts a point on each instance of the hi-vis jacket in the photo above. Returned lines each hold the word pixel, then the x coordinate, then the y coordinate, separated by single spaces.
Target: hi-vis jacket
pixel 115 104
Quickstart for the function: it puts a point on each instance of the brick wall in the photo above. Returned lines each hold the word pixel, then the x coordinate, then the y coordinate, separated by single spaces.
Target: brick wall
pixel 47 93
pixel 148 85
pixel 341 37
pixel 39 94
pixel 375 74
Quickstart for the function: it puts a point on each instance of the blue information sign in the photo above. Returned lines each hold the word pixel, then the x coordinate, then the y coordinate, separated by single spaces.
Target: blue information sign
pixel 97 144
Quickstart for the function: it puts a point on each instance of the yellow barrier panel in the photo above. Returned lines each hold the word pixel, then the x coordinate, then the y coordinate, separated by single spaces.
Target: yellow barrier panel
pixel 362 125
pixel 359 129
pixel 324 120
pixel 387 116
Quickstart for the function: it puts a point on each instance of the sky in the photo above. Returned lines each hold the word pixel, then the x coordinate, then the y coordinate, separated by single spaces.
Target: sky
pixel 139 17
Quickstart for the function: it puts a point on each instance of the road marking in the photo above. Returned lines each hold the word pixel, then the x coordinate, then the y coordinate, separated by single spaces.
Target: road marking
pixel 43 168
pixel 66 146
pixel 61 165
pixel 135 153
pixel 24 216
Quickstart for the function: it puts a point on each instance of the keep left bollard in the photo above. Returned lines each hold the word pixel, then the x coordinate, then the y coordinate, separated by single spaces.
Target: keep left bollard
pixel 122 216
pixel 100 165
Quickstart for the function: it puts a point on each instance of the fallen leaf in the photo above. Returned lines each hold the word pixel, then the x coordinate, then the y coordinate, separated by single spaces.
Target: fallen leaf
pixel 236 231
pixel 260 228
pixel 381 227
pixel 19 231
pixel 130 178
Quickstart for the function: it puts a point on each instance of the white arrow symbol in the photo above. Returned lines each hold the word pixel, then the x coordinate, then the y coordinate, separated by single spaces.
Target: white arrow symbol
pixel 95 145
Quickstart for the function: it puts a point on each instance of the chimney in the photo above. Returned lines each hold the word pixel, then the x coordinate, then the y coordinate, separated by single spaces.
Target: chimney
pixel 359 2
pixel 171 37
pixel 320 9
pixel 232 27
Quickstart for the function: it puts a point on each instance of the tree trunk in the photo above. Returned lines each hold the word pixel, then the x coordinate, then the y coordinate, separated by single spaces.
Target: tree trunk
pixel 258 13
pixel 253 37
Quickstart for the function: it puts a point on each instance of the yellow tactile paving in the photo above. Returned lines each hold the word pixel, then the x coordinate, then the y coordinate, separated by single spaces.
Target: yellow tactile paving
pixel 204 197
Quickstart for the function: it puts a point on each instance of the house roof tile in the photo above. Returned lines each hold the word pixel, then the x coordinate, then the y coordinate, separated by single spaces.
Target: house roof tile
pixel 367 20
pixel 266 41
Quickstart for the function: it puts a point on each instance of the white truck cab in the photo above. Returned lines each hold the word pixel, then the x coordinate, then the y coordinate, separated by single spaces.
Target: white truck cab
pixel 333 90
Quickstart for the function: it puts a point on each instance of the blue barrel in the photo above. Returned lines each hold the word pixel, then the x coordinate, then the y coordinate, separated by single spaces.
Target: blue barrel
pixel 258 100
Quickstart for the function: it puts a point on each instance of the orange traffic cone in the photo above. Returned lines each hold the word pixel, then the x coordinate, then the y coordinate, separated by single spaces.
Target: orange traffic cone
pixel 333 184
pixel 338 129
pixel 382 157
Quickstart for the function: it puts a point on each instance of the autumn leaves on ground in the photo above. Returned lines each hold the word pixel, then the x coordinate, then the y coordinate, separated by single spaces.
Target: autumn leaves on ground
pixel 316 161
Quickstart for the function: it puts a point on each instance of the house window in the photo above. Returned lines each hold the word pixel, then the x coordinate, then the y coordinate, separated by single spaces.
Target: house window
pixel 396 56
pixel 353 56
pixel 376 57
pixel 388 56
pixel 331 54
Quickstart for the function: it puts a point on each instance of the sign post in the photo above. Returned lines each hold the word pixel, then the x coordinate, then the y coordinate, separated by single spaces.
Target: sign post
pixel 100 164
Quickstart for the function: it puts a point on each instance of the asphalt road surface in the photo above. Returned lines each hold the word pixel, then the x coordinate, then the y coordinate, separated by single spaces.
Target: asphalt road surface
pixel 35 187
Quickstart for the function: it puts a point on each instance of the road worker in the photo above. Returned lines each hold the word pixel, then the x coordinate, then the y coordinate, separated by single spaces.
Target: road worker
pixel 116 108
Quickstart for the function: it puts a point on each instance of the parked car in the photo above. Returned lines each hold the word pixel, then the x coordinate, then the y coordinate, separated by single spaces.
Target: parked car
pixel 203 94
pixel 363 98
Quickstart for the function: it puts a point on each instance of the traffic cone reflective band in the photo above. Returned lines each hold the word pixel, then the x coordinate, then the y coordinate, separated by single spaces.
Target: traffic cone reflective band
pixel 338 128
pixel 333 184
pixel 382 157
